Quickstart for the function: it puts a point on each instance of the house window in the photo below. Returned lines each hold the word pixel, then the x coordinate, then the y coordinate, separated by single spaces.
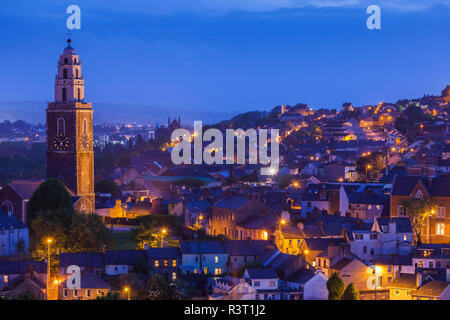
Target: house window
pixel 272 283
pixel 88 293
pixel 308 204
pixel 156 263
pixel 75 292
pixel 216 259
pixel 430 265
pixel 174 276
pixel 166 264
pixel 420 264
pixel 174 263
pixel 440 229
pixel 218 271
pixel 65 293
pixel 205 270
pixel 358 236
pixel 256 283
pixel 323 195
pixel 374 236
pixel 364 249
pixel 402 212
pixel 97 272
pixel 195 271
pixel 440 213
pixel 5 278
pixel 405 237
pixel 385 229
pixel 196 259
pixel 396 292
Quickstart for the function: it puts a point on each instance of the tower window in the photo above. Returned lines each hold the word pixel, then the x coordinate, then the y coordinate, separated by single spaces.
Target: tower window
pixel 61 126
pixel 79 94
pixel 65 73
pixel 84 125
pixel 76 72
pixel 64 94
pixel 66 61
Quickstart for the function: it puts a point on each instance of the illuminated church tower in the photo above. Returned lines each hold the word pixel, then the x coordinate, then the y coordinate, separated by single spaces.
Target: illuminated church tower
pixel 70 154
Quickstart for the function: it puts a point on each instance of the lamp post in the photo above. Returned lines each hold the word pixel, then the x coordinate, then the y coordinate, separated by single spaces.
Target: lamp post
pixel 128 291
pixel 49 242
pixel 368 167
pixel 163 232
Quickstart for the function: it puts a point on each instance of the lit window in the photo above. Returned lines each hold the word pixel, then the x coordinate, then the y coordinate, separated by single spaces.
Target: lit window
pixel 216 259
pixel 166 263
pixel 174 276
pixel 156 263
pixel 218 271
pixel 205 270
pixel 402 211
pixel 174 263
pixel 440 229
pixel 405 237
pixel 5 278
pixel 440 213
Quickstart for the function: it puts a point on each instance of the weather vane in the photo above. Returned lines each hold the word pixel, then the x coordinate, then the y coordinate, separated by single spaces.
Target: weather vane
pixel 68 36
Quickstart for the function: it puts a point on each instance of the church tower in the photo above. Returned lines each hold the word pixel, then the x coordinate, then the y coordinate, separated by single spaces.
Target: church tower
pixel 70 154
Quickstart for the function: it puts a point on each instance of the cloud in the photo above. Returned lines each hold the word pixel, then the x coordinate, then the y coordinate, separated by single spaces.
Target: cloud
pixel 225 6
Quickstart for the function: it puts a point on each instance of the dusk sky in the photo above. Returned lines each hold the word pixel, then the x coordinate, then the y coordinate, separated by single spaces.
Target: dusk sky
pixel 210 59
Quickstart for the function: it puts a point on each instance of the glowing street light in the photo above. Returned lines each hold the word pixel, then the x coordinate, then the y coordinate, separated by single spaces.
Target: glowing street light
pixel 128 292
pixel 163 232
pixel 49 242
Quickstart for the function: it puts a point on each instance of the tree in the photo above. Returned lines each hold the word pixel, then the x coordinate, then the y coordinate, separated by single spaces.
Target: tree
pixel 285 181
pixel 50 195
pixel 160 289
pixel 107 186
pixel 418 210
pixel 350 293
pixel 335 287
pixel 374 162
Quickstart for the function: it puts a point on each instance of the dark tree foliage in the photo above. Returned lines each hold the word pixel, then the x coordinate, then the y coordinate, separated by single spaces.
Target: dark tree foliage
pixel 50 195
pixel 107 186
pixel 350 293
pixel 335 286
pixel 160 289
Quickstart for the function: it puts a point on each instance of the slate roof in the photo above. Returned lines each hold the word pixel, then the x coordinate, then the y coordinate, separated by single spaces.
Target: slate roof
pixel 341 264
pixel 432 289
pixel 403 225
pixel 25 188
pixel 232 202
pixel 124 257
pixel 21 266
pixel 403 186
pixel 193 247
pixel 301 276
pixel 247 247
pixel 163 253
pixel 10 221
pixel 90 281
pixel 404 281
pixel 262 273
pixel 197 206
pixel 259 222
pixel 85 259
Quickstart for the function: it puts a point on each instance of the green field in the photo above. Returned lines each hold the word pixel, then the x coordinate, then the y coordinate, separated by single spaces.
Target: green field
pixel 123 241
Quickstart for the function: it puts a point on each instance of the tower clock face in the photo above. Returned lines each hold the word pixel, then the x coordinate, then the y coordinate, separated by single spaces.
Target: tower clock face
pixel 61 142
pixel 85 141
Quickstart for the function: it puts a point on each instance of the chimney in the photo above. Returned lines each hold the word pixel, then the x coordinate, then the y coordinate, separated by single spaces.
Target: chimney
pixel 418 279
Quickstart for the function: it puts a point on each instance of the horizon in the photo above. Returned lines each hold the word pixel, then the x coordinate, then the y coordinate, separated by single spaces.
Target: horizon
pixel 214 60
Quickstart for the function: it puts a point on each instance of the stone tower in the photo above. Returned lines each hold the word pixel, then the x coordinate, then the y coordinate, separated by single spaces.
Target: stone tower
pixel 70 154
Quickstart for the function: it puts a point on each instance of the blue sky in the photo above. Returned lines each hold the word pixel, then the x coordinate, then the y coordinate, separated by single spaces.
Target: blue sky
pixel 209 59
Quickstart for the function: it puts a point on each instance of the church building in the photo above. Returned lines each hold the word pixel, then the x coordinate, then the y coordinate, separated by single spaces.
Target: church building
pixel 70 153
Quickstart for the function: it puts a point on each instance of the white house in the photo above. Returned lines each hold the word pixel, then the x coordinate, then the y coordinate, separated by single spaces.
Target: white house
pixel 265 282
pixel 312 284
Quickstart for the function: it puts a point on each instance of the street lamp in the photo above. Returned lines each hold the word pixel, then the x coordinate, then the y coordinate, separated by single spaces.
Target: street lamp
pixel 163 232
pixel 49 242
pixel 128 291
pixel 368 167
